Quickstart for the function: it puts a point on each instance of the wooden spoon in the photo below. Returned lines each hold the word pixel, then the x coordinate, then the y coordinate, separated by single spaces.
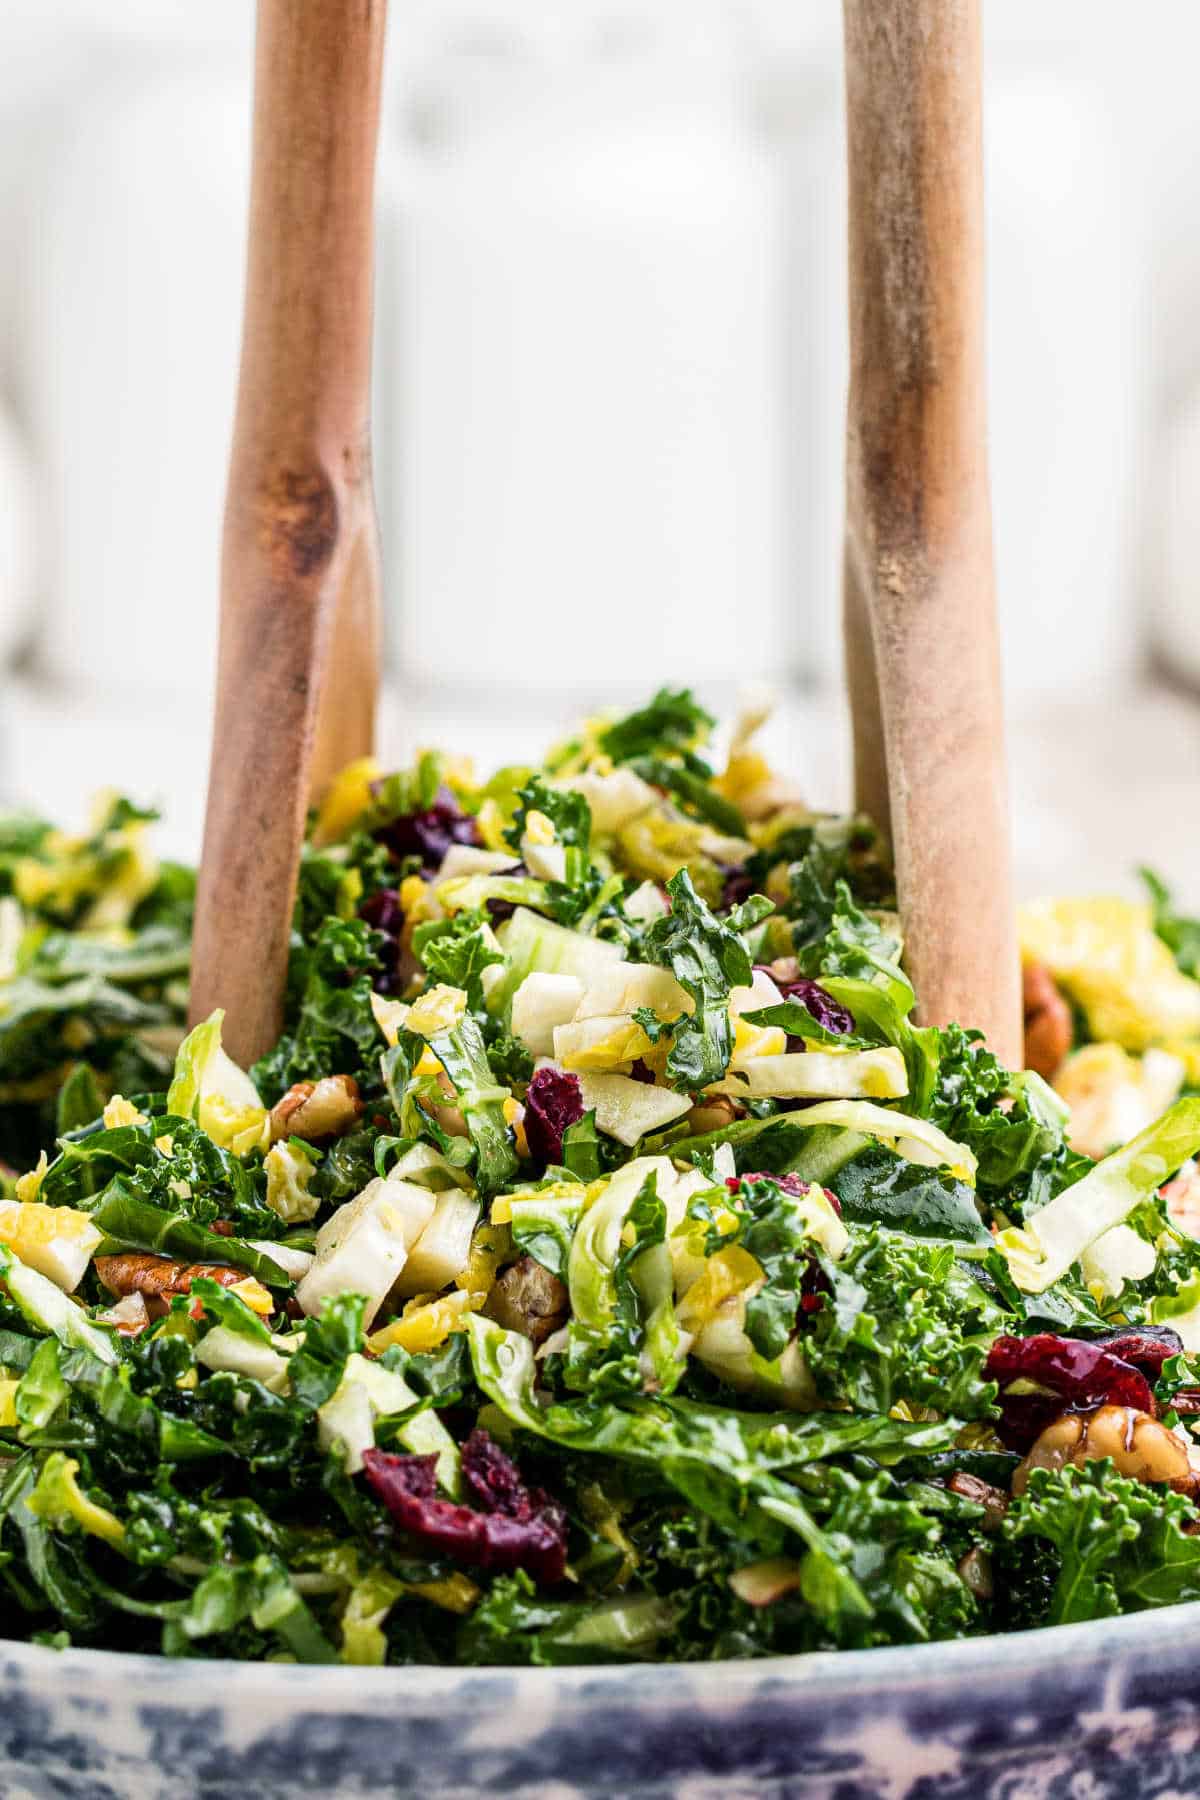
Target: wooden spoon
pixel 922 659
pixel 298 666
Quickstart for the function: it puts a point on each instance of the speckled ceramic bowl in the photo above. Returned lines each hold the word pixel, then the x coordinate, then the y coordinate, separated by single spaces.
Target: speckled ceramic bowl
pixel 1109 1711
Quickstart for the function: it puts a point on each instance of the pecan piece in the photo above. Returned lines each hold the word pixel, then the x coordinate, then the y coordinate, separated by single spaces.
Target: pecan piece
pixel 529 1299
pixel 993 1500
pixel 1139 1446
pixel 317 1109
pixel 158 1278
pixel 1049 1028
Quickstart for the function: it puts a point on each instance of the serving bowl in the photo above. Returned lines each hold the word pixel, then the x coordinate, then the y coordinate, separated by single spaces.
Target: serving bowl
pixel 1103 1711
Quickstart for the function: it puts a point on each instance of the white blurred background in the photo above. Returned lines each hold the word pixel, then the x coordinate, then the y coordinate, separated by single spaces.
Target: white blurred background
pixel 610 367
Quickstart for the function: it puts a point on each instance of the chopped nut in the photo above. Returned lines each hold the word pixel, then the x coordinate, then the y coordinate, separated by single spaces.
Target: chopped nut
pixel 975 1572
pixel 993 1500
pixel 1140 1447
pixel 529 1299
pixel 713 1114
pixel 158 1278
pixel 1049 1029
pixel 317 1109
pixel 1182 1196
pixel 763 1583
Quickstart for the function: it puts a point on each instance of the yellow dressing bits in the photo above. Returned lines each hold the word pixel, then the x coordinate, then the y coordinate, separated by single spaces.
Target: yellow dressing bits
pixel 346 799
pixel 757 1040
pixel 1106 955
pixel 437 1010
pixel 424 1325
pixel 120 1111
pixel 726 1273
pixel 57 1241
pixel 29 1186
pixel 254 1295
pixel 416 897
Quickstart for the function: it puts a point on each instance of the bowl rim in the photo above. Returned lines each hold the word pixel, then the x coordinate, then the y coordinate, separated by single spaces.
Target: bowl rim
pixel 816 1676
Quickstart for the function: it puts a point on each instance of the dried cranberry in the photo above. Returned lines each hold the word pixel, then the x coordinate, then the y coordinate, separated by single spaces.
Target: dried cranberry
pixel 553 1100
pixel 429 834
pixel 790 1184
pixel 738 886
pixel 827 1011
pixel 814 1286
pixel 492 1477
pixel 1078 1374
pixel 639 1072
pixel 516 1528
pixel 1147 1347
pixel 384 911
pixel 499 910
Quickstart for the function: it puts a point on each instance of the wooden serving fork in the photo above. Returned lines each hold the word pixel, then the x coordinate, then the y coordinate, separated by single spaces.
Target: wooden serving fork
pixel 300 559
pixel 920 619
pixel 298 668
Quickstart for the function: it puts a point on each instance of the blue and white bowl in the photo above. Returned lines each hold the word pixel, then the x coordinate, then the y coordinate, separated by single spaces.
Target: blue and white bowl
pixel 1106 1711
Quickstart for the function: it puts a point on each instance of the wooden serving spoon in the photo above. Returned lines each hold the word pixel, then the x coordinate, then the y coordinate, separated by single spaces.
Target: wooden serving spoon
pixel 299 631
pixel 299 648
pixel 920 621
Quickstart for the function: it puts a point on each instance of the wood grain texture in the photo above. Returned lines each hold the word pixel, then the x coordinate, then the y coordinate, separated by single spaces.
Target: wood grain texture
pixel 922 659
pixel 298 660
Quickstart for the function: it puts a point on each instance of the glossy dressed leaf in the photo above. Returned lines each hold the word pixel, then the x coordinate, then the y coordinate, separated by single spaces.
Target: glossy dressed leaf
pixel 879 1188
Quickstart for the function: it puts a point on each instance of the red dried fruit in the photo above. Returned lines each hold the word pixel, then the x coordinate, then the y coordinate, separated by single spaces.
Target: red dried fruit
pixel 790 1184
pixel 1077 1375
pixel 521 1528
pixel 429 834
pixel 1147 1347
pixel 553 1101
pixel 384 913
pixel 737 886
pixel 815 1285
pixel 827 1011
pixel 493 1479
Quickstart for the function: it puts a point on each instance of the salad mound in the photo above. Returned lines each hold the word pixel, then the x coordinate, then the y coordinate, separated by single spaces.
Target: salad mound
pixel 603 1264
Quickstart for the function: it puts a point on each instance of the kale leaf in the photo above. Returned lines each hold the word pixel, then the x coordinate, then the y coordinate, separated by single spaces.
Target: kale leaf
pixel 329 1026
pixel 902 1320
pixel 457 951
pixel 708 959
pixel 672 721
pixel 1119 1545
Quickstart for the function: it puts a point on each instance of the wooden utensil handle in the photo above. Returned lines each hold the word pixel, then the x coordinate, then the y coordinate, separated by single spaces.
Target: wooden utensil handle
pixel 300 563
pixel 920 613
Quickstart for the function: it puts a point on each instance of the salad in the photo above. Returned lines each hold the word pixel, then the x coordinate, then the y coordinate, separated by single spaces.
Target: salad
pixel 603 1264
